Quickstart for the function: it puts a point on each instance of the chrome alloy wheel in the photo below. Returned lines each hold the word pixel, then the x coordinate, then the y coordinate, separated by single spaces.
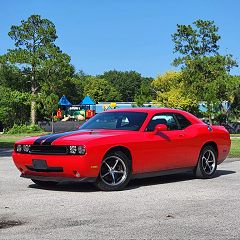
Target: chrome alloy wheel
pixel 209 162
pixel 113 171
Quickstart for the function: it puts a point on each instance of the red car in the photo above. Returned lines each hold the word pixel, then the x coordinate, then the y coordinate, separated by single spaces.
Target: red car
pixel 116 146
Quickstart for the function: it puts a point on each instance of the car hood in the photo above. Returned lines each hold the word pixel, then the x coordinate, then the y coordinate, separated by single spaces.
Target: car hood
pixel 77 137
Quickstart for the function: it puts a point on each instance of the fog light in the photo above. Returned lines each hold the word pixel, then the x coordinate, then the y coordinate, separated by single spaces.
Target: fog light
pixel 77 174
pixel 19 148
pixel 73 149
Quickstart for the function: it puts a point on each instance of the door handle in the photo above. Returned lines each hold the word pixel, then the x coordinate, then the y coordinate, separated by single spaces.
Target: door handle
pixel 181 135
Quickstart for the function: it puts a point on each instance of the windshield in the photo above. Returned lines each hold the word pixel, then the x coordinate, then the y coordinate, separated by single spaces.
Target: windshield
pixel 116 120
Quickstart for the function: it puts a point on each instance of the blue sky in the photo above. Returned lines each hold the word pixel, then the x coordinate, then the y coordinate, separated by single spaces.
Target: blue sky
pixel 102 35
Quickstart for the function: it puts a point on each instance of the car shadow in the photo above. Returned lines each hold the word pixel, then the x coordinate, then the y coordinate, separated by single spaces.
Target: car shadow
pixel 220 173
pixel 68 187
pixel 134 184
pixel 181 177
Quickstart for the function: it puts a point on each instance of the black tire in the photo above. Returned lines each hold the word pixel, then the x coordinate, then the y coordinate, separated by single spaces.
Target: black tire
pixel 114 177
pixel 45 183
pixel 207 163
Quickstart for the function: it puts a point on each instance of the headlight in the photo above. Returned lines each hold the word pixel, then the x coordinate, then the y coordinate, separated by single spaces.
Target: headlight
pixel 22 148
pixel 26 148
pixel 81 150
pixel 73 149
pixel 19 148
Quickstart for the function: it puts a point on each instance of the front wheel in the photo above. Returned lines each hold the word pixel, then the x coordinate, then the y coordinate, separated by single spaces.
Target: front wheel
pixel 45 183
pixel 115 172
pixel 207 163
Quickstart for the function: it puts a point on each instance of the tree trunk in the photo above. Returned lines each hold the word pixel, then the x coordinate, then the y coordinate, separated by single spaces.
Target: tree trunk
pixel 33 101
pixel 33 110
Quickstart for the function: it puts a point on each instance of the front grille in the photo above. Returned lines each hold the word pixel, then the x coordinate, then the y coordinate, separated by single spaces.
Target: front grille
pixel 50 150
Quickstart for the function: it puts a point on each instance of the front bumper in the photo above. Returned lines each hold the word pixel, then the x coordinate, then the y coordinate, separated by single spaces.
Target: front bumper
pixel 59 167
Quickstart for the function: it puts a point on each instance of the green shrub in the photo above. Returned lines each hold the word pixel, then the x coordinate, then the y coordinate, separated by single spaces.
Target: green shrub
pixel 24 129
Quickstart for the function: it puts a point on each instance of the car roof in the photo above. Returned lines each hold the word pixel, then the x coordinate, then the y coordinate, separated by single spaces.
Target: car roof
pixel 144 109
pixel 155 110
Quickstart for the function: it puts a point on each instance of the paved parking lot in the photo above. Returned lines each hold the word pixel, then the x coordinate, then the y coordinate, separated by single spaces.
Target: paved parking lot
pixel 172 207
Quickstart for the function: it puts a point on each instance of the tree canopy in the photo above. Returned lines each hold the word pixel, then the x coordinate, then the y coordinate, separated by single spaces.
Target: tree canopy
pixel 199 39
pixel 172 92
pixel 100 90
pixel 35 52
pixel 36 73
pixel 205 71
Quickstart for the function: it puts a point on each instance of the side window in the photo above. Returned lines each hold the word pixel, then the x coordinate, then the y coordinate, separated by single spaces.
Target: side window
pixel 183 122
pixel 166 119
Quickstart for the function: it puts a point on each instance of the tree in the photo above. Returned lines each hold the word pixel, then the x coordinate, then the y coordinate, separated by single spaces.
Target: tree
pixel 14 107
pixel 100 90
pixel 198 40
pixel 145 93
pixel 126 83
pixel 34 41
pixel 171 92
pixel 12 77
pixel 208 80
pixel 205 71
pixel 14 100
pixel 57 76
pixel 234 91
pixel 47 104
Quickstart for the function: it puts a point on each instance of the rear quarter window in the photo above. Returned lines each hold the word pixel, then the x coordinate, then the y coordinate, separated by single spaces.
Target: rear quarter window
pixel 183 122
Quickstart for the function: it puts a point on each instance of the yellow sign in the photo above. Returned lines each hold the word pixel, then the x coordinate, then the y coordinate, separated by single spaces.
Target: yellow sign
pixel 113 105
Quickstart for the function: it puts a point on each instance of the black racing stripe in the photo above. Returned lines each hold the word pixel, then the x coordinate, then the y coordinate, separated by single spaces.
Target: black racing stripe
pixel 40 139
pixel 53 137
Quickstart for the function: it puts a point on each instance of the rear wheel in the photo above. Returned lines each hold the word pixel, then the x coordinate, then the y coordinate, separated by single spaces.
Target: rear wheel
pixel 207 163
pixel 115 172
pixel 45 183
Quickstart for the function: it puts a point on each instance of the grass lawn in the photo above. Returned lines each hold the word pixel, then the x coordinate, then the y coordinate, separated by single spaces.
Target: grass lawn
pixel 235 148
pixel 7 141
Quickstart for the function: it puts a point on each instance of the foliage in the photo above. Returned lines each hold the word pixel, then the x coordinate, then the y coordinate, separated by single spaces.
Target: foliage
pixel 205 71
pixel 35 54
pixel 73 87
pixel 14 106
pixel 16 129
pixel 198 40
pixel 47 104
pixel 234 91
pixel 100 90
pixel 145 93
pixel 171 92
pixel 36 73
pixel 12 77
pixel 126 83
pixel 208 80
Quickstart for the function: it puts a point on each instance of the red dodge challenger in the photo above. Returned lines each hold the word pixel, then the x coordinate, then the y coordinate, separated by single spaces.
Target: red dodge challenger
pixel 116 146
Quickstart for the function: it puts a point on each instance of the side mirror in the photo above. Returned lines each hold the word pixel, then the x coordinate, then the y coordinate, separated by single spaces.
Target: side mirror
pixel 160 128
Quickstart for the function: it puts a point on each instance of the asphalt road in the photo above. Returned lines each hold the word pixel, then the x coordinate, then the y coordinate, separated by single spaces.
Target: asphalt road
pixel 172 207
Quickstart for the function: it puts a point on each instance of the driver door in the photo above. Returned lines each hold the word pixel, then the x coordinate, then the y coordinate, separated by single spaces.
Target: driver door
pixel 167 149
